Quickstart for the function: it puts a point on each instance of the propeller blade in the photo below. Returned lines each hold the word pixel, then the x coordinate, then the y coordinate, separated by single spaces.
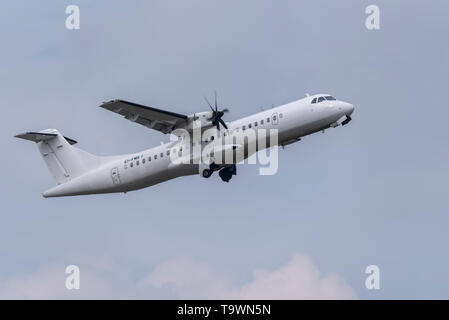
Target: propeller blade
pixel 216 104
pixel 216 114
pixel 216 124
pixel 223 123
pixel 210 106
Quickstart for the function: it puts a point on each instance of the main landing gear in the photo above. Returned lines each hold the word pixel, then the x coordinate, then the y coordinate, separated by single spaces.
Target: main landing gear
pixel 225 173
pixel 207 173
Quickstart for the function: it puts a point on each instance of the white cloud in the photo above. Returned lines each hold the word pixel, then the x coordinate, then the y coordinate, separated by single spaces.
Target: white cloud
pixel 298 279
pixel 181 278
pixel 185 278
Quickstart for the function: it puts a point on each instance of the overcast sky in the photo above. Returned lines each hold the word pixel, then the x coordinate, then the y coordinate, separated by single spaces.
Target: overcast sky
pixel 372 192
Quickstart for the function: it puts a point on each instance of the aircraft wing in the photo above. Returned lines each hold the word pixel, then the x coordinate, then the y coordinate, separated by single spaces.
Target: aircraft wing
pixel 161 120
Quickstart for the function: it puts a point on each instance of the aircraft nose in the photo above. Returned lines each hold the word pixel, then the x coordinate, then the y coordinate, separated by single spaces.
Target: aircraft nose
pixel 348 108
pixel 351 109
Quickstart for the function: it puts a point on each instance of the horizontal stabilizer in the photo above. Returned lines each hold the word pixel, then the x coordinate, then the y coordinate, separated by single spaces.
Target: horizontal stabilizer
pixel 41 136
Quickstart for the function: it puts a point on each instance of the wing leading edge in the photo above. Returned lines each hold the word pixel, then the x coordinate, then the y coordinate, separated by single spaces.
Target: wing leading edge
pixel 157 119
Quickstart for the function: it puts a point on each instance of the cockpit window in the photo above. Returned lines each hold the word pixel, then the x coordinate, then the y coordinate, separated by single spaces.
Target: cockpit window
pixel 320 99
pixel 330 98
pixel 314 100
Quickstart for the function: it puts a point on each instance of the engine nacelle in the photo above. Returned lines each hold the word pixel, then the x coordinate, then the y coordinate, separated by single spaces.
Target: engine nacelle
pixel 200 119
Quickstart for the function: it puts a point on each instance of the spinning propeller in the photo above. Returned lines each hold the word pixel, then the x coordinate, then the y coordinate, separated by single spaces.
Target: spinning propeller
pixel 217 114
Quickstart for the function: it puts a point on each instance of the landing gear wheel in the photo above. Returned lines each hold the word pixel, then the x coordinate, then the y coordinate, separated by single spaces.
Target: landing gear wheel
pixel 207 173
pixel 225 174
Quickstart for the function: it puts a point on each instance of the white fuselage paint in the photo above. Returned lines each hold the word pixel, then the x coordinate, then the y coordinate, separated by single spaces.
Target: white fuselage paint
pixel 299 118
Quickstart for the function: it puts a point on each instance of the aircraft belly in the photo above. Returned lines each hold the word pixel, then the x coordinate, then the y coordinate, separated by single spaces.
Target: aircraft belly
pixel 163 174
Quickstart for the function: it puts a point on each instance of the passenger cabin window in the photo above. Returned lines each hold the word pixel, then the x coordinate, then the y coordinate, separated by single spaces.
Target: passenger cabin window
pixel 261 121
pixel 131 164
pixel 155 156
pixel 143 160
pixel 149 158
pixel 268 119
pixel 137 162
pixel 255 124
pixel 280 115
pixel 249 126
pixel 168 152
pixel 162 154
pixel 243 128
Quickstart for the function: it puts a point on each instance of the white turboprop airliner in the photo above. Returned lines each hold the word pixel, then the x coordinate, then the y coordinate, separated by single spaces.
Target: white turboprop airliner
pixel 79 173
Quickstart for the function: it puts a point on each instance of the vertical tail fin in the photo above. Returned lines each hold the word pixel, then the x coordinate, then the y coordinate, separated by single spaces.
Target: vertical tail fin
pixel 64 161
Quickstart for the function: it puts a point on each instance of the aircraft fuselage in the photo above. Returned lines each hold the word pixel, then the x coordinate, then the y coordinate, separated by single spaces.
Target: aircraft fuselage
pixel 152 166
